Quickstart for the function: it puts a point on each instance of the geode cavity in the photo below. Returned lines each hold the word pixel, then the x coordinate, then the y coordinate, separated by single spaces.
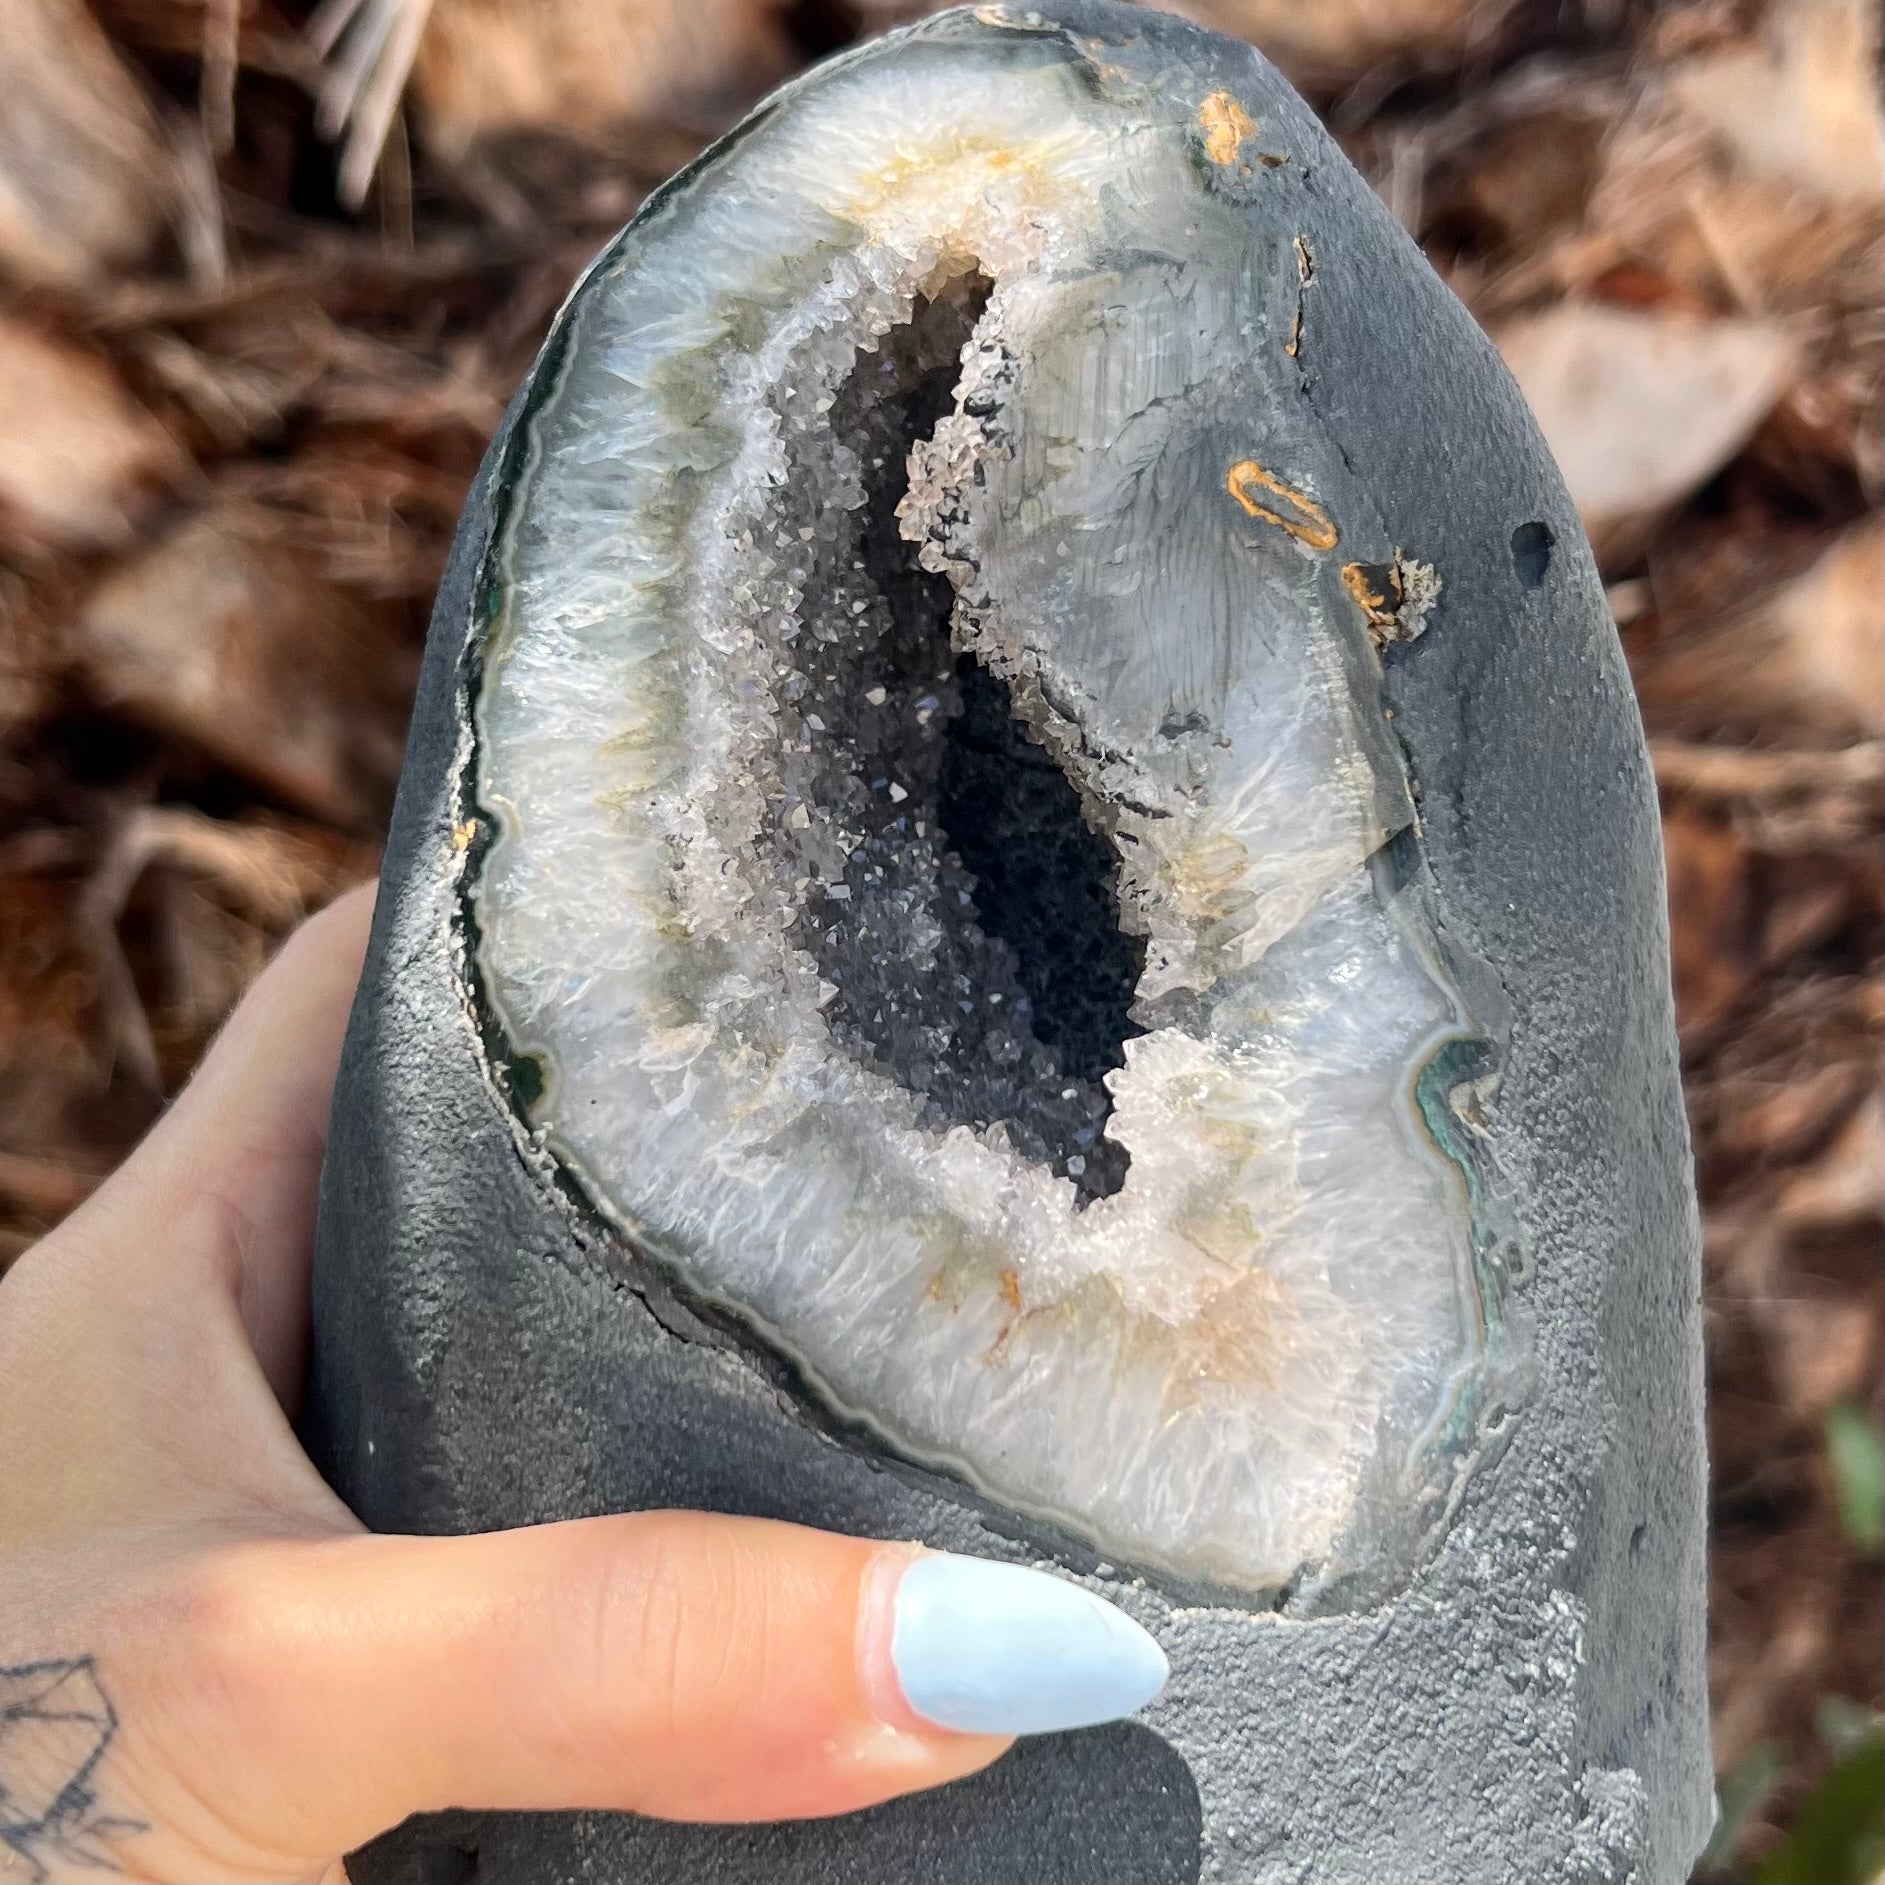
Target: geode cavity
pixel 941 805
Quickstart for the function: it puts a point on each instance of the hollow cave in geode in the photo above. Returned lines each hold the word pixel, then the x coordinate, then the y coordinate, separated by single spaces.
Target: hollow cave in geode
pixel 943 814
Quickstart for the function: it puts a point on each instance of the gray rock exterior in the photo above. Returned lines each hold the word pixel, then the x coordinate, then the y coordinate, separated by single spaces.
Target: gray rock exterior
pixel 1529 1704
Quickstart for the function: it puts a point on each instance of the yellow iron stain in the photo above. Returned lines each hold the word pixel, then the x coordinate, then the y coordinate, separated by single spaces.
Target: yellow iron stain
pixel 464 835
pixel 1235 1337
pixel 1303 517
pixel 969 1266
pixel 1225 124
pixel 1008 1284
pixel 1208 877
pixel 949 170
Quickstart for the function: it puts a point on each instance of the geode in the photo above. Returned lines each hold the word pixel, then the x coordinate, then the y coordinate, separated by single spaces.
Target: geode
pixel 1026 911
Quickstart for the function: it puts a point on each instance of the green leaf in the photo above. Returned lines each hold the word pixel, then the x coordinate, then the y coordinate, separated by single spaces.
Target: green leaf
pixel 1739 1795
pixel 1855 1449
pixel 1839 1835
pixel 1842 1723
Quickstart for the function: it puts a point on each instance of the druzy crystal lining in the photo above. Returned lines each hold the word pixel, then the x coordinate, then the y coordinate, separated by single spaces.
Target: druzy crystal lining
pixel 940 824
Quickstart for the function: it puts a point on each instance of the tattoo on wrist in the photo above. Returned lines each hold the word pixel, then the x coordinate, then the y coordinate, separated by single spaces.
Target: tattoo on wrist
pixel 56 1726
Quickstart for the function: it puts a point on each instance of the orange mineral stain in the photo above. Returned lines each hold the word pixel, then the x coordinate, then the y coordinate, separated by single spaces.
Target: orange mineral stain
pixel 1301 516
pixel 1226 124
pixel 1376 589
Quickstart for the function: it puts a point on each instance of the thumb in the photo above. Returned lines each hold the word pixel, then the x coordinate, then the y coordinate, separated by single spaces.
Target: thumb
pixel 675 1664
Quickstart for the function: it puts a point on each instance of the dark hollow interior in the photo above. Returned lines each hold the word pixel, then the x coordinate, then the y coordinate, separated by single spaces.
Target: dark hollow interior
pixel 975 943
pixel 1531 552
pixel 1044 879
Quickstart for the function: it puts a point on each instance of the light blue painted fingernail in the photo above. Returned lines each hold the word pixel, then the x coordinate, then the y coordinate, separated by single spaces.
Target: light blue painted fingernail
pixel 995 1649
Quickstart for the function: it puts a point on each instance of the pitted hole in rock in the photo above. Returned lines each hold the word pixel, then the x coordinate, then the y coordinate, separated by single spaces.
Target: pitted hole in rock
pixel 1531 553
pixel 974 943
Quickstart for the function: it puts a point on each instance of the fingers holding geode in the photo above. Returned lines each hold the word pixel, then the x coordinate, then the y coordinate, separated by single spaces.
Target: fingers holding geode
pixel 670 1664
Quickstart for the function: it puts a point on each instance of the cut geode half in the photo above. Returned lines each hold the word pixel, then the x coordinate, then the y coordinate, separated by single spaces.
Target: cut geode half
pixel 951 884
pixel 1031 427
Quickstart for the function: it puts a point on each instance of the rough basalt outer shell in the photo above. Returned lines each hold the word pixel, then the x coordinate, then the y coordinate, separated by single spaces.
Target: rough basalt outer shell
pixel 1522 1696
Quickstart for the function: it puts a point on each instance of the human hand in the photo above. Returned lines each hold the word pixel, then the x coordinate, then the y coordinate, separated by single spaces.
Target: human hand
pixel 210 1671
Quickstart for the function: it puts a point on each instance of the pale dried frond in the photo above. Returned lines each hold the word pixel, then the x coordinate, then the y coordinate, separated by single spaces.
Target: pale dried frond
pixel 366 49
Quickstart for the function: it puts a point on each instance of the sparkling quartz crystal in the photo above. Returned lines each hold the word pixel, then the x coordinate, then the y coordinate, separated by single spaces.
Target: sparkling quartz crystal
pixel 954 899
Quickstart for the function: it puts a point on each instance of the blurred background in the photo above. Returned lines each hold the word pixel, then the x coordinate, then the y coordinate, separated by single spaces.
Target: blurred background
pixel 269 272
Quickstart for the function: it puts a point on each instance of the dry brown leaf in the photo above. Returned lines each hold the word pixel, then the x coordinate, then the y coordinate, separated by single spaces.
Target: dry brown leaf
pixel 1754 245
pixel 180 914
pixel 1750 176
pixel 1828 626
pixel 1780 1119
pixel 220 638
pixel 1713 948
pixel 582 69
pixel 1331 42
pixel 112 982
pixel 61 1115
pixel 83 170
pixel 588 67
pixel 30 658
pixel 1531 174
pixel 356 511
pixel 77 453
pixel 1800 103
pixel 1729 773
pixel 1846 1183
pixel 1640 408
pixel 1777 1086
pixel 1806 652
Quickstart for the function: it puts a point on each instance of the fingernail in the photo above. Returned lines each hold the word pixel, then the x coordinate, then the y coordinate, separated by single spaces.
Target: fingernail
pixel 989 1648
